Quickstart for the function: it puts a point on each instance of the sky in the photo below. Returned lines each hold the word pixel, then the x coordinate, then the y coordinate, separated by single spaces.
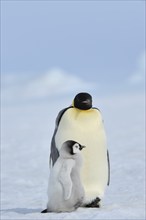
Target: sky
pixel 98 41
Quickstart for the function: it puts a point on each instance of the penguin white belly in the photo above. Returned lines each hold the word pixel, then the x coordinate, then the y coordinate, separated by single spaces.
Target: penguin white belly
pixel 86 127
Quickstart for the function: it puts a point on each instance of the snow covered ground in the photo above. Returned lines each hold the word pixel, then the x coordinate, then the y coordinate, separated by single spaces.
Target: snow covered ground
pixel 26 128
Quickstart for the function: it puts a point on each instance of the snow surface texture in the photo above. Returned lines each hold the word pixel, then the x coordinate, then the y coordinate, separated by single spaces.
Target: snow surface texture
pixel 27 127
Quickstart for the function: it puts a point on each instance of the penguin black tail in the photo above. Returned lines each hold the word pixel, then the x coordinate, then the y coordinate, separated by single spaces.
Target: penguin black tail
pixel 44 211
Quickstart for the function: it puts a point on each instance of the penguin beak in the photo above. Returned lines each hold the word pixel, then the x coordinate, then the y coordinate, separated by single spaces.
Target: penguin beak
pixel 87 101
pixel 81 147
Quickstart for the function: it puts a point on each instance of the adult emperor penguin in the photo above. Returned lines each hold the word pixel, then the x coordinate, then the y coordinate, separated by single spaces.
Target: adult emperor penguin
pixel 65 190
pixel 83 123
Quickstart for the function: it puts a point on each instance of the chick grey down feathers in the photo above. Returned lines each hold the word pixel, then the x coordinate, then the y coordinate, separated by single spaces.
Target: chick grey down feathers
pixel 65 191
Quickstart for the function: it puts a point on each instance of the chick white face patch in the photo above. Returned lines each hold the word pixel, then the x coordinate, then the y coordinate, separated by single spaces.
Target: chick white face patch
pixel 76 148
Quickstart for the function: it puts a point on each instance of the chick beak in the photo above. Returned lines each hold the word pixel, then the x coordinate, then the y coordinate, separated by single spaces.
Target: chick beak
pixel 81 147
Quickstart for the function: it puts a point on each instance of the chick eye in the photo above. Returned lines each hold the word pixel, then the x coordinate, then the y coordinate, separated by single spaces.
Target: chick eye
pixel 77 146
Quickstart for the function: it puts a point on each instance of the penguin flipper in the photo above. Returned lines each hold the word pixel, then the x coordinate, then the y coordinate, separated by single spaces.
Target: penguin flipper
pixel 65 178
pixel 54 151
pixel 108 161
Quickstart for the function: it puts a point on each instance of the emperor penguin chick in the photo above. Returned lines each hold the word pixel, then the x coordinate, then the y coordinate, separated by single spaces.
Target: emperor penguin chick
pixel 65 191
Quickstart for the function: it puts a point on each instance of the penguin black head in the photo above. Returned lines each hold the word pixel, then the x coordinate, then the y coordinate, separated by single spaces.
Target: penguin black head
pixel 71 147
pixel 83 101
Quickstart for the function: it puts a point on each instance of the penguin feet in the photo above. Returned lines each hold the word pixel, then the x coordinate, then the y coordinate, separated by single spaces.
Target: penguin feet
pixel 94 204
